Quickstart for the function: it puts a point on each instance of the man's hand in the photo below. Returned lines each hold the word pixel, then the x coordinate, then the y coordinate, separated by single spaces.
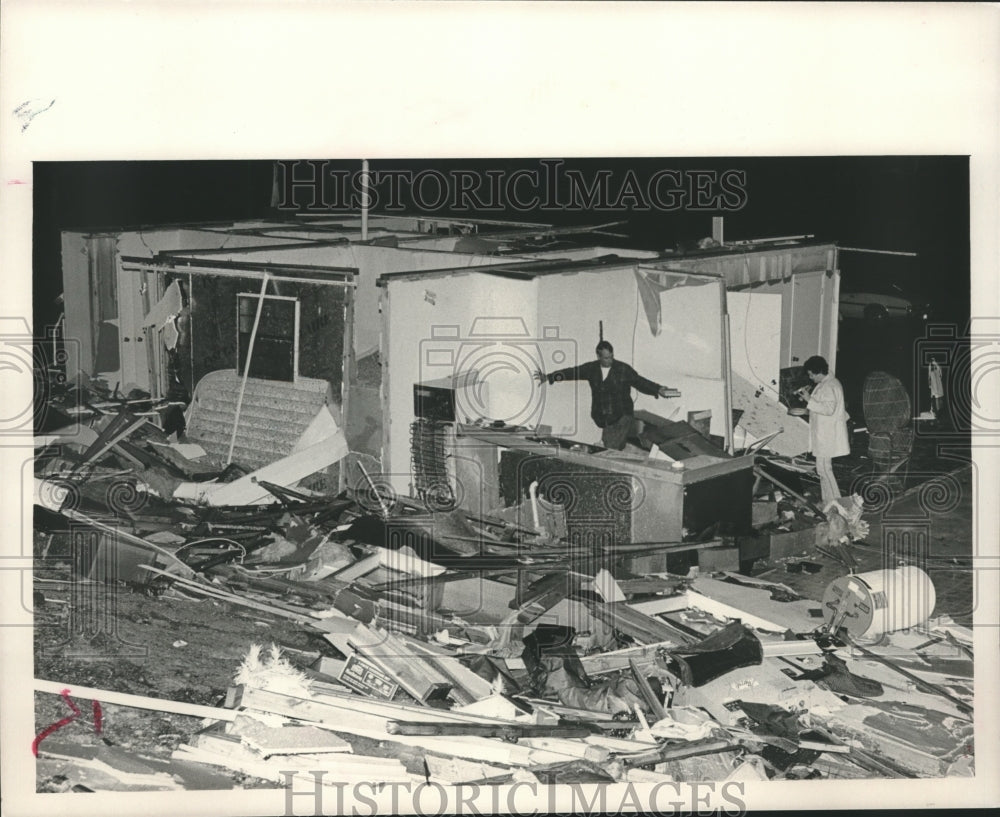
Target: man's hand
pixel 666 391
pixel 803 392
pixel 539 376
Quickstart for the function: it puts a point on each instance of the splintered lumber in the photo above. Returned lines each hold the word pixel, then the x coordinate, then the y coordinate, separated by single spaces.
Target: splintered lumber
pixel 760 472
pixel 354 715
pixel 135 701
pixel 468 686
pixel 339 768
pixel 669 752
pixel 654 703
pixel 358 569
pixel 507 731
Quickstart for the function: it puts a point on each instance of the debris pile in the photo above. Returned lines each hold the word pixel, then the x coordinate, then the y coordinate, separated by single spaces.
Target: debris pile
pixel 462 648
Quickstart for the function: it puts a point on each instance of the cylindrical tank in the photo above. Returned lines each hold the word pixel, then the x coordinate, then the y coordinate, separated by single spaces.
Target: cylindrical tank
pixel 881 601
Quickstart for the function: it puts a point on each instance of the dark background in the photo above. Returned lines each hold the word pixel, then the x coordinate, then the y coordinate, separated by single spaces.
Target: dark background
pixel 912 203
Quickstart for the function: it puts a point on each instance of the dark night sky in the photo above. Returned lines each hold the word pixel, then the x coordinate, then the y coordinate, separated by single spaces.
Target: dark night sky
pixel 917 204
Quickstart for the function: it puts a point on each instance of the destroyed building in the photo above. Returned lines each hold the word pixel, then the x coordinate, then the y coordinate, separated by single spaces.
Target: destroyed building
pixel 365 456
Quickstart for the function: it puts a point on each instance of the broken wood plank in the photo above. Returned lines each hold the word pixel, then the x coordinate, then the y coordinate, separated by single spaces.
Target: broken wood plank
pixel 367 718
pixel 358 569
pixel 669 752
pixel 655 704
pixel 508 731
pixel 466 682
pixel 812 506
pixel 135 701
pixel 277 769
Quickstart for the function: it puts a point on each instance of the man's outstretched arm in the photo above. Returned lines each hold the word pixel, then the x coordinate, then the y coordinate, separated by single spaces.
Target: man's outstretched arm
pixel 648 386
pixel 570 373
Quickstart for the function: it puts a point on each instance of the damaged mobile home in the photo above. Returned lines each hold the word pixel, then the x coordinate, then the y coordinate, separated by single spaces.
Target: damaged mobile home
pixel 337 423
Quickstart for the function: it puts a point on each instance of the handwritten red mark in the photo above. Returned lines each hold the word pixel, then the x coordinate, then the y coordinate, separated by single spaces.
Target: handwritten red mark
pixel 16 181
pixel 55 727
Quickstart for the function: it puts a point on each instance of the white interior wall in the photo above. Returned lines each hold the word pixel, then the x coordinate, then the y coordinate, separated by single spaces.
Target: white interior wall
pixel 686 355
pixel 569 309
pixel 755 337
pixel 373 261
pixel 428 333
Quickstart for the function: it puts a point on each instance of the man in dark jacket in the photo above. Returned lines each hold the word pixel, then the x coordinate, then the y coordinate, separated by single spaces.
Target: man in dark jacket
pixel 611 383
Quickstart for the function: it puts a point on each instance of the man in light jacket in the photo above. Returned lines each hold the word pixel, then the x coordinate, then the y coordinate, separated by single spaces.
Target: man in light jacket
pixel 827 422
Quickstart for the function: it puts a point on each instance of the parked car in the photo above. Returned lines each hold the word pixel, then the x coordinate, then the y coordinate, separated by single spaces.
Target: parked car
pixel 879 300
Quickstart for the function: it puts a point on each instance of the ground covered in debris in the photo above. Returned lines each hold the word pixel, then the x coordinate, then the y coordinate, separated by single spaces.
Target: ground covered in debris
pixel 186 644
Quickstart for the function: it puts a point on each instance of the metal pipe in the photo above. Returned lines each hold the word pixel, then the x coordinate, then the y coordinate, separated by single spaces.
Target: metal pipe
pixel 246 368
pixel 533 493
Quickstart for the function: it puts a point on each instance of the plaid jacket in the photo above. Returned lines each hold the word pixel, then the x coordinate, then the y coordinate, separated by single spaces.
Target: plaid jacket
pixel 611 397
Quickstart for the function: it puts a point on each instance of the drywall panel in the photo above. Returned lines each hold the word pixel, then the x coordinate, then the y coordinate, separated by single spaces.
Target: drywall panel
pixel 690 341
pixel 687 354
pixel 373 261
pixel 755 337
pixel 570 310
pixel 440 327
